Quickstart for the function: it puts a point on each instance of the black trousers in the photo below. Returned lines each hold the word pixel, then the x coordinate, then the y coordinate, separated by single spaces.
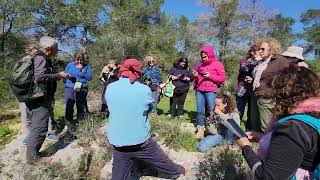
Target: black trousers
pixel 177 103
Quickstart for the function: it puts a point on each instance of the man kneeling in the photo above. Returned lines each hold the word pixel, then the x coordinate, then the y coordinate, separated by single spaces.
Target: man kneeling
pixel 129 103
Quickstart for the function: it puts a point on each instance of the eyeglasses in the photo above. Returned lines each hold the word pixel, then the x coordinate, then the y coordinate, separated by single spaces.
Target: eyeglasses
pixel 261 49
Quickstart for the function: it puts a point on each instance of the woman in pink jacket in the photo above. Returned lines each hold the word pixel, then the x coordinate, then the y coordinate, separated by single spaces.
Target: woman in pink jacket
pixel 209 75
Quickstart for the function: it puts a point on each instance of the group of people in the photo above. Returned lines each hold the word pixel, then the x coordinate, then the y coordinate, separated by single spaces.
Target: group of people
pixel 37 114
pixel 272 85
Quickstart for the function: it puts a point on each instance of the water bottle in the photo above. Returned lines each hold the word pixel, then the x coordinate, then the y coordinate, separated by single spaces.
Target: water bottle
pixel 241 91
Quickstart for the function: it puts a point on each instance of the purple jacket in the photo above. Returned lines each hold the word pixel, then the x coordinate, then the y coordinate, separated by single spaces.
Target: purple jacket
pixel 215 69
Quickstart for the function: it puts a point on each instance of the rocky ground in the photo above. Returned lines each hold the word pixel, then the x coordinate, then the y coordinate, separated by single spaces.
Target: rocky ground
pixel 77 159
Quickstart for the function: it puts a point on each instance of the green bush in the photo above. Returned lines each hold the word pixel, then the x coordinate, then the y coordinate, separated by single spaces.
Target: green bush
pixel 172 136
pixel 223 162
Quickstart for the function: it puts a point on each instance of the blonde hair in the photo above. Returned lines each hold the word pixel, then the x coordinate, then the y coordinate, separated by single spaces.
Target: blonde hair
pixel 147 59
pixel 275 47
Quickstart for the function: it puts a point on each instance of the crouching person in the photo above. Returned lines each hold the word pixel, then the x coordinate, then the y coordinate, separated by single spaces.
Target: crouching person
pixel 218 133
pixel 129 130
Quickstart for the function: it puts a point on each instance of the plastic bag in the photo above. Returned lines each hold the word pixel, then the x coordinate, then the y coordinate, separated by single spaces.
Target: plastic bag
pixel 167 88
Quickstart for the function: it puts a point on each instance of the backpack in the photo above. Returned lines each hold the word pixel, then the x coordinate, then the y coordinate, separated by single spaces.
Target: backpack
pixel 22 81
pixel 314 123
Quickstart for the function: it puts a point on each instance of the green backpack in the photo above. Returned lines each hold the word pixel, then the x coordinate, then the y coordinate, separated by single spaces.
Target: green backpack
pixel 22 81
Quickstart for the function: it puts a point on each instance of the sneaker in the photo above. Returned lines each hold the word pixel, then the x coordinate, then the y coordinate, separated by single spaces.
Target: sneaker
pixel 24 142
pixel 170 116
pixel 180 117
pixel 53 137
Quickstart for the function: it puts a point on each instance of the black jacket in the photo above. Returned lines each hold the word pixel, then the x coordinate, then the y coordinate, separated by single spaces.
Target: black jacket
pixel 293 145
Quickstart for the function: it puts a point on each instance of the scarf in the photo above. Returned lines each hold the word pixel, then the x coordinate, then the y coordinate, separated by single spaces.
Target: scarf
pixel 257 72
pixel 131 68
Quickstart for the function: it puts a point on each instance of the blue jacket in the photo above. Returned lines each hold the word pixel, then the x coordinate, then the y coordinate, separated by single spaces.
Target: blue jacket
pixel 152 74
pixel 81 76
pixel 129 105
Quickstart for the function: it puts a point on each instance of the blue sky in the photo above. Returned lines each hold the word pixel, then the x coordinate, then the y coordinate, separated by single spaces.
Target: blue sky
pixel 292 8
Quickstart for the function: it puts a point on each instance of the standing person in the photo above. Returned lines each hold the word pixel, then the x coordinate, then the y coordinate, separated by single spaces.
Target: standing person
pixel 107 77
pixel 209 75
pixel 225 109
pixel 39 110
pixel 181 77
pixel 290 147
pixel 130 132
pixel 296 54
pixel 244 90
pixel 271 64
pixel 31 49
pixel 76 90
pixel 152 77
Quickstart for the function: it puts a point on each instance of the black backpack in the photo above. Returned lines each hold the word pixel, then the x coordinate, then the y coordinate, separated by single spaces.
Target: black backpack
pixel 22 81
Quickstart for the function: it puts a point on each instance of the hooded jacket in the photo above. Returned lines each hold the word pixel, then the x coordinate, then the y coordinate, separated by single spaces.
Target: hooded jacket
pixel 215 69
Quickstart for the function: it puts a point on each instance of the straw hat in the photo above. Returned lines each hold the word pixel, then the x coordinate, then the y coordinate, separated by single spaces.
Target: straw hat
pixel 294 51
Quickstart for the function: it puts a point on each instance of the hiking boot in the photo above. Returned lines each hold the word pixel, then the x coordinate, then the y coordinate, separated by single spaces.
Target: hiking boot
pixel 24 142
pixel 200 133
pixel 53 137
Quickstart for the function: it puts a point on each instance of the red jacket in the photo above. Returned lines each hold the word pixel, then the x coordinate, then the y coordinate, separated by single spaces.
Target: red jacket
pixel 215 69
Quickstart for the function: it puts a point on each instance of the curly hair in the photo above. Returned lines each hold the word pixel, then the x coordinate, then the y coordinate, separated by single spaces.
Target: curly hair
pixel 291 87
pixel 231 104
pixel 275 47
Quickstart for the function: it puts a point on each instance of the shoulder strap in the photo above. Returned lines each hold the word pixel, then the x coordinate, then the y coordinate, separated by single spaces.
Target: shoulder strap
pixel 311 121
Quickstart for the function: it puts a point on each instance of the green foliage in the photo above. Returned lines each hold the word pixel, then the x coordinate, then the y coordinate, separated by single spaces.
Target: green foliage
pixel 311 22
pixel 172 136
pixel 314 65
pixel 5 132
pixel 281 29
pixel 87 130
pixel 223 163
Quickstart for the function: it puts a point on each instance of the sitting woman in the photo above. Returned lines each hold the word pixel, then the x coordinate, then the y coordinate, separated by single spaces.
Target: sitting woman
pixel 225 109
pixel 289 149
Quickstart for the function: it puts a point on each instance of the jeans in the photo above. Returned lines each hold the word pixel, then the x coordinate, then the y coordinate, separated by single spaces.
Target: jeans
pixel 202 99
pixel 177 103
pixel 72 97
pixel 211 141
pixel 156 96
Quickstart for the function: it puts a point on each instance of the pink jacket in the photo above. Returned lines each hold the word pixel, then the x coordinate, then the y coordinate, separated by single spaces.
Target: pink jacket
pixel 215 69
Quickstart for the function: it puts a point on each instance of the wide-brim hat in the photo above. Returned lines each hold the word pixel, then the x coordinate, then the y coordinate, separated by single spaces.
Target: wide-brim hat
pixel 294 51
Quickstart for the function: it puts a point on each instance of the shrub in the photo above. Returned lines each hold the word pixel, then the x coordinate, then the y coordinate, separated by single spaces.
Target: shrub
pixel 172 136
pixel 223 163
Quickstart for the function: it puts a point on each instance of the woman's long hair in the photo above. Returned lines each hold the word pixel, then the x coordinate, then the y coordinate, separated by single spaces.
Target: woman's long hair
pixel 177 63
